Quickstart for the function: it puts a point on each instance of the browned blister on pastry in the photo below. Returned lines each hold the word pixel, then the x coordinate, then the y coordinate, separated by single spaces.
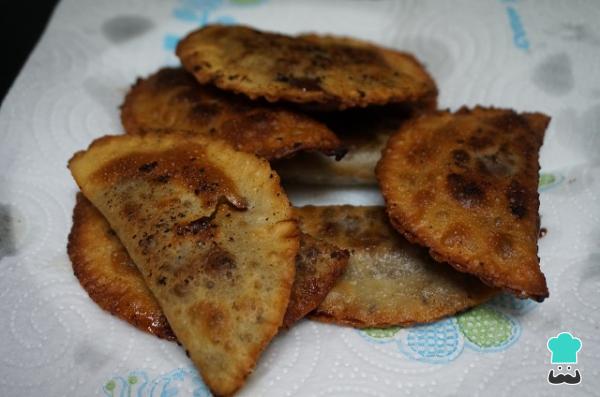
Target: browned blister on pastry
pixel 107 273
pixel 110 277
pixel 171 99
pixel 333 72
pixel 363 133
pixel 388 281
pixel 212 233
pixel 464 185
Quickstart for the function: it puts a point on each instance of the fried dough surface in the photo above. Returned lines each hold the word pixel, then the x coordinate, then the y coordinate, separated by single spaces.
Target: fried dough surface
pixel 464 185
pixel 110 277
pixel 388 281
pixel 318 267
pixel 107 273
pixel 172 99
pixel 334 72
pixel 212 233
pixel 363 133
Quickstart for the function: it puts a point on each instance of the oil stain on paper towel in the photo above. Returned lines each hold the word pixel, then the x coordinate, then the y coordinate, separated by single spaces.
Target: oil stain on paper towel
pixel 579 130
pixel 126 27
pixel 87 355
pixel 7 238
pixel 554 75
pixel 580 33
pixel 588 127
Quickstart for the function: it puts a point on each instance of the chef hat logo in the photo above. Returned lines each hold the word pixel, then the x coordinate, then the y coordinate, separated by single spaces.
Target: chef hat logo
pixel 563 348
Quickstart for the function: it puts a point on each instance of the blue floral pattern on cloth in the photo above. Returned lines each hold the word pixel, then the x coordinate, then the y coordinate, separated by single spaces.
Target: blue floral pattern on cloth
pixel 200 13
pixel 488 328
pixel 437 342
pixel 137 384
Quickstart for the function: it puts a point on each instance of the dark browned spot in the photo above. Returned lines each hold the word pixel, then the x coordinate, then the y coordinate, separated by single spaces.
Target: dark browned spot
pixel 168 78
pixel 201 225
pixel 495 164
pixel 339 254
pixel 146 243
pixel 204 112
pixel 164 178
pixel 343 55
pixel 305 264
pixel 303 83
pixel 508 122
pixel 219 262
pixel 205 187
pixel 148 166
pixel 216 264
pixel 464 190
pixel 330 229
pixel 460 158
pixel 543 232
pixel 517 199
pixel 479 142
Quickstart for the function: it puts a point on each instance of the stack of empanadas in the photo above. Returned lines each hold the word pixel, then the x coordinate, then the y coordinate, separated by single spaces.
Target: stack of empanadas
pixel 182 227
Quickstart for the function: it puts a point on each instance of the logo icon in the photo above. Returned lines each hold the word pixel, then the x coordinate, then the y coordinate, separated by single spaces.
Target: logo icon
pixel 563 350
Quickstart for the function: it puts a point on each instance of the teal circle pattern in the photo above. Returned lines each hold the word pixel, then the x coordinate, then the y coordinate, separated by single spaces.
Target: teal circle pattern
pixel 434 343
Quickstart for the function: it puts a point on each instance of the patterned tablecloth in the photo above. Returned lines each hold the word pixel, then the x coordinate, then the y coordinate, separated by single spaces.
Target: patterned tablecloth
pixel 526 55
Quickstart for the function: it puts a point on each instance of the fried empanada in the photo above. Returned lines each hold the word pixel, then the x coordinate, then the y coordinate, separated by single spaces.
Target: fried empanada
pixel 464 185
pixel 333 72
pixel 107 273
pixel 171 99
pixel 363 133
pixel 388 281
pixel 212 232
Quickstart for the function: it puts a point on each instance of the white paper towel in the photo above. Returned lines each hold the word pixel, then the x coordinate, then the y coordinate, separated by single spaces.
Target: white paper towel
pixel 54 341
